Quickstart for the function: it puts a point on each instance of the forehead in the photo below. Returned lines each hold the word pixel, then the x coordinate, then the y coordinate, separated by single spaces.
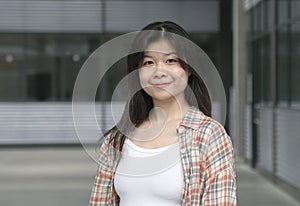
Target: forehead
pixel 160 46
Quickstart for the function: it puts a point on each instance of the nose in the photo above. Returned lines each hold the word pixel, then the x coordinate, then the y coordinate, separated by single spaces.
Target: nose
pixel 159 71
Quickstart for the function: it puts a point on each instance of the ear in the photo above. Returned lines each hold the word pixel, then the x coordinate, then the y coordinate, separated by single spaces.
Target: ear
pixel 188 71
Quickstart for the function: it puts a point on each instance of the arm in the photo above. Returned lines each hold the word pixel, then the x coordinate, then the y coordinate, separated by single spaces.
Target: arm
pixel 103 192
pixel 220 189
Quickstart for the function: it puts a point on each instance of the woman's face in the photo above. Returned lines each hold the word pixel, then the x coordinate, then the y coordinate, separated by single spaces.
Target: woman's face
pixel 161 75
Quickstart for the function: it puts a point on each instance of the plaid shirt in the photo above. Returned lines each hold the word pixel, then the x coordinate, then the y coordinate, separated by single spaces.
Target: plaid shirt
pixel 207 159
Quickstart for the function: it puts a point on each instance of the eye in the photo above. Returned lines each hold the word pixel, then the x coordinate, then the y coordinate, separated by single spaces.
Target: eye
pixel 148 62
pixel 172 61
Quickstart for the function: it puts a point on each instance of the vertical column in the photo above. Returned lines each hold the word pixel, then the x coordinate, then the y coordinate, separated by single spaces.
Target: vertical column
pixel 225 47
pixel 273 79
pixel 239 73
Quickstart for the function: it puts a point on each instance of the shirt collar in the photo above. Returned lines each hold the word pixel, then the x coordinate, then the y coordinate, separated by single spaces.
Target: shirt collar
pixel 192 118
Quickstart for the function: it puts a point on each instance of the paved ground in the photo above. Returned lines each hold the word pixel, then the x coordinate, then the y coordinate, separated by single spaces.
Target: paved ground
pixel 64 176
pixel 255 190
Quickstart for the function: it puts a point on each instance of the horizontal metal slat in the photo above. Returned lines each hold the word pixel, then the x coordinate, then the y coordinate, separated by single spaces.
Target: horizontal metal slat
pixel 265 138
pixel 288 144
pixel 59 16
pixel 48 122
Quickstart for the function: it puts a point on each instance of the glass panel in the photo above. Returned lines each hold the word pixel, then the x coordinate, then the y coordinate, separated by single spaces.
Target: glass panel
pixel 256 72
pixel 49 66
pixel 262 14
pixel 38 68
pixel 282 66
pixel 261 70
pixel 257 20
pixel 282 11
pixel 42 67
pixel 260 81
pixel 295 7
pixel 295 63
pixel 11 60
pixel 265 69
pixel 268 14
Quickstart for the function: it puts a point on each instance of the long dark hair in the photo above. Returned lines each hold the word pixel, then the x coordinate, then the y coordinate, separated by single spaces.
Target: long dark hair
pixel 140 103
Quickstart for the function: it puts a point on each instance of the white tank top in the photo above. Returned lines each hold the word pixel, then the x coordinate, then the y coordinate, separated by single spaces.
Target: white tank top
pixel 143 178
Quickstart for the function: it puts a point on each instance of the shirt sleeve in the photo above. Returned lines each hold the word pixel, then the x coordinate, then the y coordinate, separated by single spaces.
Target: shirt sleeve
pixel 220 188
pixel 103 192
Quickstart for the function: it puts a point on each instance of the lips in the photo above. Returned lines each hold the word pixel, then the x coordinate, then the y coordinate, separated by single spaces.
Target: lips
pixel 161 85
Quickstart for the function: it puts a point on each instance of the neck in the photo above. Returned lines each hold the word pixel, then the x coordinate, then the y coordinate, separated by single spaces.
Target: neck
pixel 169 110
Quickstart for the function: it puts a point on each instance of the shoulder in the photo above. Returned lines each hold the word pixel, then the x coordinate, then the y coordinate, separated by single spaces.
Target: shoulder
pixel 208 130
pixel 197 120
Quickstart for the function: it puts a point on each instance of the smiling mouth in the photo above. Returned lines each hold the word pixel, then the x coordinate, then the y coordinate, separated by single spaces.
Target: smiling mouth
pixel 161 85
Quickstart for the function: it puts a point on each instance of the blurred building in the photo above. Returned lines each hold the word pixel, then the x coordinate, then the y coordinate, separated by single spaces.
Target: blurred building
pixel 43 45
pixel 255 45
pixel 266 92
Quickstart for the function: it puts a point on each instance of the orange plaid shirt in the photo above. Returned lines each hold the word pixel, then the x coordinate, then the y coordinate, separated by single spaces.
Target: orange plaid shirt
pixel 207 159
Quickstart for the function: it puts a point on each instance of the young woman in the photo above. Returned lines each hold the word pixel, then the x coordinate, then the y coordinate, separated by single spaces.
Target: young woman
pixel 169 107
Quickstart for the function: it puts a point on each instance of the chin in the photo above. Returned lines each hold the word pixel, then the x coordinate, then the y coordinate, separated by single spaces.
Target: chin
pixel 164 97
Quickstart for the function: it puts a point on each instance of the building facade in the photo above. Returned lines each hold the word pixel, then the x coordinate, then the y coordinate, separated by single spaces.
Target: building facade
pixel 266 87
pixel 43 45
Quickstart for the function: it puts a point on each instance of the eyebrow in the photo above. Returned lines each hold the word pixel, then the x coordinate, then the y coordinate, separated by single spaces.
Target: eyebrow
pixel 165 54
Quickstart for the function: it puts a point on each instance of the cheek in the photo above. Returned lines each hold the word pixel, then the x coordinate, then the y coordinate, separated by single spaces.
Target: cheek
pixel 143 77
pixel 144 83
pixel 182 81
pixel 182 76
pixel 187 75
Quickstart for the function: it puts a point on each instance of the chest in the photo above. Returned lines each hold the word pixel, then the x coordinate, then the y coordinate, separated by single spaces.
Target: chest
pixel 155 136
pixel 145 175
pixel 162 188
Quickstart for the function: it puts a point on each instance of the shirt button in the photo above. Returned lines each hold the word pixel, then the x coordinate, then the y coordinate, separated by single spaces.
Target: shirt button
pixel 187 181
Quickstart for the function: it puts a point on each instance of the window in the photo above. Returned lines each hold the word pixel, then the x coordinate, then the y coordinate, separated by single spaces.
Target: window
pixel 295 63
pixel 282 11
pixel 265 69
pixel 295 8
pixel 42 67
pixel 283 65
